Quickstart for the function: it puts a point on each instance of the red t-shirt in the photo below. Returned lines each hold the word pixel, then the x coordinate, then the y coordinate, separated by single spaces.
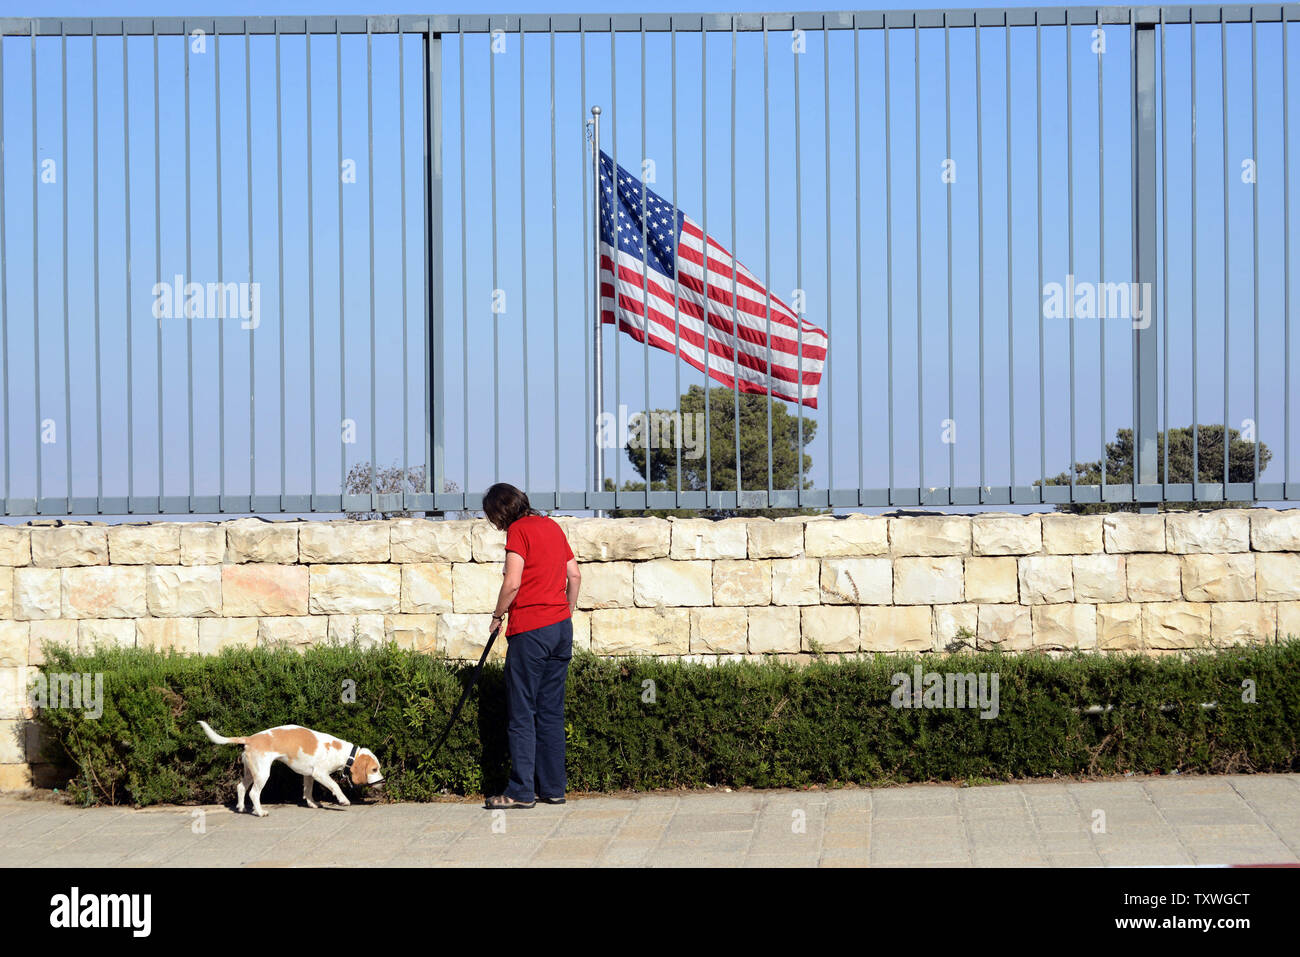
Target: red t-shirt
pixel 542 599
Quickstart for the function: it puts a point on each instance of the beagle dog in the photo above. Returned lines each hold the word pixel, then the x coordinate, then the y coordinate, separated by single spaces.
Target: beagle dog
pixel 313 755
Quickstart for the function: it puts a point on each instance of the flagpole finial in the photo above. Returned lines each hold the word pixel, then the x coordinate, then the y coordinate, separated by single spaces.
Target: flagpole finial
pixel 595 111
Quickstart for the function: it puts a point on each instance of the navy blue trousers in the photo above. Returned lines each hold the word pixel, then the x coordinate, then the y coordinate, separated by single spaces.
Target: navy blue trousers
pixel 537 663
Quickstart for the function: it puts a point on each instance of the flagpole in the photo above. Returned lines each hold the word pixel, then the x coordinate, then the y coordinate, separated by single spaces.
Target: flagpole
pixel 598 359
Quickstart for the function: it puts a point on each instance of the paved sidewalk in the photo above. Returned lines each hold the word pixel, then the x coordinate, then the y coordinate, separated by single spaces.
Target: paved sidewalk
pixel 1238 819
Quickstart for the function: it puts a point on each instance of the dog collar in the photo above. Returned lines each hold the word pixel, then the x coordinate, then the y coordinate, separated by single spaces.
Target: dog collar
pixel 352 756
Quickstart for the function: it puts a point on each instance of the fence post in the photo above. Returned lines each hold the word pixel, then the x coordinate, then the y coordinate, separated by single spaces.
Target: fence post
pixel 1145 224
pixel 435 431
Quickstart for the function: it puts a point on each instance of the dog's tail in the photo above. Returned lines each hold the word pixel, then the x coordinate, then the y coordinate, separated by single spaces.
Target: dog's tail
pixel 216 738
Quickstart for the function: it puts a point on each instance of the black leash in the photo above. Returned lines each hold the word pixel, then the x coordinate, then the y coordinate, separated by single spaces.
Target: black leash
pixel 473 680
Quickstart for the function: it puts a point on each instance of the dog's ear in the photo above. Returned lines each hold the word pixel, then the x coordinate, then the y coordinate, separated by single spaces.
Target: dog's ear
pixel 361 769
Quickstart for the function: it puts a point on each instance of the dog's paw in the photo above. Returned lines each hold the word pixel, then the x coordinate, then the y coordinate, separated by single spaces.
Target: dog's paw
pixel 313 805
pixel 260 812
pixel 345 802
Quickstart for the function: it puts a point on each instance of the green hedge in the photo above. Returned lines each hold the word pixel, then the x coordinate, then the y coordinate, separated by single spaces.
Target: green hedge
pixel 756 724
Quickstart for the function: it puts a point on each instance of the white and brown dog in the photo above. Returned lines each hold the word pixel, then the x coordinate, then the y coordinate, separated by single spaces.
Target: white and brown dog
pixel 313 755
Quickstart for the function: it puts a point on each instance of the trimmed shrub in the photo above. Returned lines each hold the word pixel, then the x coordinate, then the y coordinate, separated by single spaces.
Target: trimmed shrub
pixel 648 723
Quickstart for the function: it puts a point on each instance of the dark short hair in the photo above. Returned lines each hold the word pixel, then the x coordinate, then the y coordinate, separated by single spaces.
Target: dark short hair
pixel 504 504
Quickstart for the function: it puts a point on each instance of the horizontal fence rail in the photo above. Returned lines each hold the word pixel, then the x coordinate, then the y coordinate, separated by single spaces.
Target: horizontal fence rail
pixel 350 264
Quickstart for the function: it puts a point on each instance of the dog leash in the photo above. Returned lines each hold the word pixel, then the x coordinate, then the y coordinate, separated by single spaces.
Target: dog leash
pixel 473 680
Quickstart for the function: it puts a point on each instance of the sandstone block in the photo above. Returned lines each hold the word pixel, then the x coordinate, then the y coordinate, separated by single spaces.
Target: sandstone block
pixel 427 588
pixel 1100 578
pixel 293 632
pixel 1275 531
pixel 343 542
pixel 1219 577
pixel 418 540
pixel 1119 627
pixel 948 620
pixel 38 593
pixel 719 631
pixel 1071 534
pixel 256 590
pixel 11 743
pixel 641 631
pixel 487 543
pixel 1220 530
pixel 1046 579
pixel 666 582
pixel 992 580
pixel 218 633
pixel 158 544
pixel 698 538
pixel 581 631
pixel 1288 619
pixel 104 591
pixel 613 540
pixel 1006 534
pixel 796 581
pixel 14 638
pixel 95 633
pixel 1277 576
pixel 161 634
pixel 830 627
pixel 6 593
pixel 58 631
pixel 1067 626
pixel 202 543
pixel 1009 627
pixel 1243 622
pixel 1153 577
pixel 769 539
pixel 475 587
pixel 68 545
pixel 773 630
pixel 16 777
pixel 462 637
pixel 857 581
pixel 253 540
pixel 929 581
pixel 1176 624
pixel 1131 532
pixel 15 546
pixel 606 585
pixel 184 591
pixel 742 582
pixel 930 535
pixel 897 628
pixel 354 590
pixel 846 537
pixel 415 632
pixel 365 630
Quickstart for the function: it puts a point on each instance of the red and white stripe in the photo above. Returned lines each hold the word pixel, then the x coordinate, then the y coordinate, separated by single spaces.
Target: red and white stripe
pixel 709 320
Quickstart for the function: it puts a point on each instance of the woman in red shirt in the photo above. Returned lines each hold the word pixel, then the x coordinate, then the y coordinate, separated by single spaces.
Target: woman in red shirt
pixel 539 593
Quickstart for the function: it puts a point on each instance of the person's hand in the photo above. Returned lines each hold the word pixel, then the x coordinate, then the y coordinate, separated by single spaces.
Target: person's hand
pixel 497 622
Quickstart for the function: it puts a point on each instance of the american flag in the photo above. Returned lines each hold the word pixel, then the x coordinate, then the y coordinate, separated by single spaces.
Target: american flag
pixel 672 260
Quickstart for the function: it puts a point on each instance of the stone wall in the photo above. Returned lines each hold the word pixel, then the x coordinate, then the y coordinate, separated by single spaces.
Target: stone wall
pixel 1125 582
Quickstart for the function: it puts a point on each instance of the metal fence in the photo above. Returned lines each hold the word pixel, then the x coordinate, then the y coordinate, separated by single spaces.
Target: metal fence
pixel 336 264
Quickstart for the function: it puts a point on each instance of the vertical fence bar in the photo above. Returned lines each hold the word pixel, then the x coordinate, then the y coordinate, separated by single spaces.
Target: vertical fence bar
pixel 370 235
pixel 189 273
pixel 406 347
pixel 615 200
pixel 979 219
pixel 464 273
pixel 1042 389
pixel 1011 339
pixel 1286 268
pixel 947 133
pixel 4 277
pixel 645 270
pixel 36 277
pixel 279 232
pixel 798 278
pixel 826 124
pixel 157 252
pixel 1196 422
pixel 1164 259
pixel 555 275
pixel 1254 226
pixel 677 314
pixel 221 327
pixel 588 246
pixel 523 251
pixel 343 366
pixel 1144 189
pixel 67 339
pixel 1069 228
pixel 496 349
pixel 857 244
pixel 1227 245
pixel 920 370
pixel 130 349
pixel 1101 264
pixel 311 273
pixel 889 269
pixel 704 228
pixel 435 376
pixel 248 185
pixel 735 245
pixel 94 200
pixel 767 246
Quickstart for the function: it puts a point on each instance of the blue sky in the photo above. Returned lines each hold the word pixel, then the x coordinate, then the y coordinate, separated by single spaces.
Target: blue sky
pixel 486 351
